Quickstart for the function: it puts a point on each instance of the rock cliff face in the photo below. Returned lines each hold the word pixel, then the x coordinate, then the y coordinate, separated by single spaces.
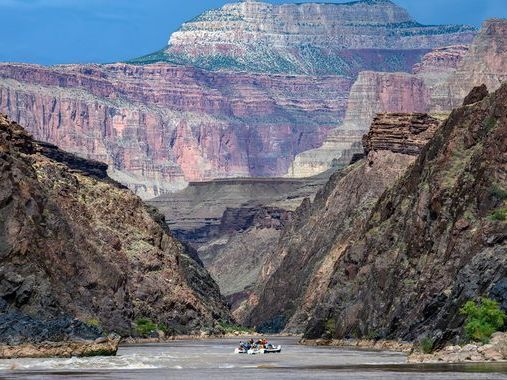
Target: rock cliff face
pixel 434 239
pixel 373 92
pixel 310 38
pixel 75 244
pixel 400 133
pixel 159 126
pixel 210 113
pixel 486 63
pixel 303 260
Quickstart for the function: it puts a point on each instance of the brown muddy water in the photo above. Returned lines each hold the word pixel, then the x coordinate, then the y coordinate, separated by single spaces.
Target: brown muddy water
pixel 214 359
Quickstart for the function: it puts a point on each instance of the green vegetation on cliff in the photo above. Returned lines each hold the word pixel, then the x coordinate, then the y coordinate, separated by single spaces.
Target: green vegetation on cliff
pixel 483 318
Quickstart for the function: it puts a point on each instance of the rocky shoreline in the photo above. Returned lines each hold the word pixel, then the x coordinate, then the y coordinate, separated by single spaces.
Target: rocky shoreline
pixel 363 344
pixel 99 347
pixel 494 351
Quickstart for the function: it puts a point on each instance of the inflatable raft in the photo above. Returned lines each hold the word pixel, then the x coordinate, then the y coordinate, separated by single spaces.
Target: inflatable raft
pixel 255 351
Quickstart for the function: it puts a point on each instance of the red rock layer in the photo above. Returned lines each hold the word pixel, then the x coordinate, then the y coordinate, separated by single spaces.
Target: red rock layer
pixel 161 125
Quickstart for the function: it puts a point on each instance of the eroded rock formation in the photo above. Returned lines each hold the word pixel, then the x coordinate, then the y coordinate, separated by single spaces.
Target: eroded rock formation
pixel 486 62
pixel 434 239
pixel 249 86
pixel 310 38
pixel 159 126
pixel 302 263
pixel 439 83
pixel 234 224
pixel 373 92
pixel 74 244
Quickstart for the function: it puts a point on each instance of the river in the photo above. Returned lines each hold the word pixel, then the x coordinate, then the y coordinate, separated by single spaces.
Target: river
pixel 214 359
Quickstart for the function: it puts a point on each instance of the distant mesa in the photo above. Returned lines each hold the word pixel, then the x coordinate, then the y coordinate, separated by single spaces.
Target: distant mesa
pixel 306 38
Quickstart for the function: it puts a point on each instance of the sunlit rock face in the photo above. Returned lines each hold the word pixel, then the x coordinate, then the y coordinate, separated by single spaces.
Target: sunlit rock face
pixel 486 63
pixel 373 92
pixel 77 246
pixel 301 264
pixel 159 126
pixel 308 38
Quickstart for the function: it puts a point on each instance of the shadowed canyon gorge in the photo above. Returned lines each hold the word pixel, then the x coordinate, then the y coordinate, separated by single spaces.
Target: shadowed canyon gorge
pixel 332 170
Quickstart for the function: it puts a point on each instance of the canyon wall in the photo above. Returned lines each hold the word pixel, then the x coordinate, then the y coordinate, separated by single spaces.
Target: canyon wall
pixel 80 251
pixel 433 241
pixel 239 92
pixel 234 223
pixel 437 84
pixel 302 262
pixel 160 126
pixel 399 263
pixel 486 63
pixel 373 92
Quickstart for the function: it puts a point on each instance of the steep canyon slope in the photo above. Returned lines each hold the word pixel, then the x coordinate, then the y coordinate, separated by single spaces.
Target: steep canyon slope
pixel 234 223
pixel 79 249
pixel 300 265
pixel 199 112
pixel 433 240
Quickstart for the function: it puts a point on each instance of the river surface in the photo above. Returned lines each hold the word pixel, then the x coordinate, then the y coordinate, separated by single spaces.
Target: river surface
pixel 214 359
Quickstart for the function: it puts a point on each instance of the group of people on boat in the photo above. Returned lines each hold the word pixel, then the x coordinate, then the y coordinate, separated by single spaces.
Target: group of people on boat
pixel 255 345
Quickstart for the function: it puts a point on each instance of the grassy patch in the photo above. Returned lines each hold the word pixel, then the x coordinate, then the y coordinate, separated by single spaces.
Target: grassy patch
pixel 330 326
pixel 499 214
pixel 426 345
pixel 231 328
pixel 145 327
pixel 93 322
pixel 498 192
pixel 490 123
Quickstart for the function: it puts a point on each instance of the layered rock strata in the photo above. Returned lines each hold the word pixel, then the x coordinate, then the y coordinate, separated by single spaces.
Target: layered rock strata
pixel 79 250
pixel 439 83
pixel 208 115
pixel 301 265
pixel 310 38
pixel 160 126
pixel 433 241
pixel 234 224
pixel 373 92
pixel 486 62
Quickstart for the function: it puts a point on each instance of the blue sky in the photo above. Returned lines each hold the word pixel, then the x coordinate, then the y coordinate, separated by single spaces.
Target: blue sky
pixel 79 31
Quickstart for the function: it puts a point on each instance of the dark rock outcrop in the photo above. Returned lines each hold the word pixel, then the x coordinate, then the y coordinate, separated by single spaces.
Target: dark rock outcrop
pixel 434 239
pixel 79 250
pixel 476 95
pixel 301 265
pixel 400 133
